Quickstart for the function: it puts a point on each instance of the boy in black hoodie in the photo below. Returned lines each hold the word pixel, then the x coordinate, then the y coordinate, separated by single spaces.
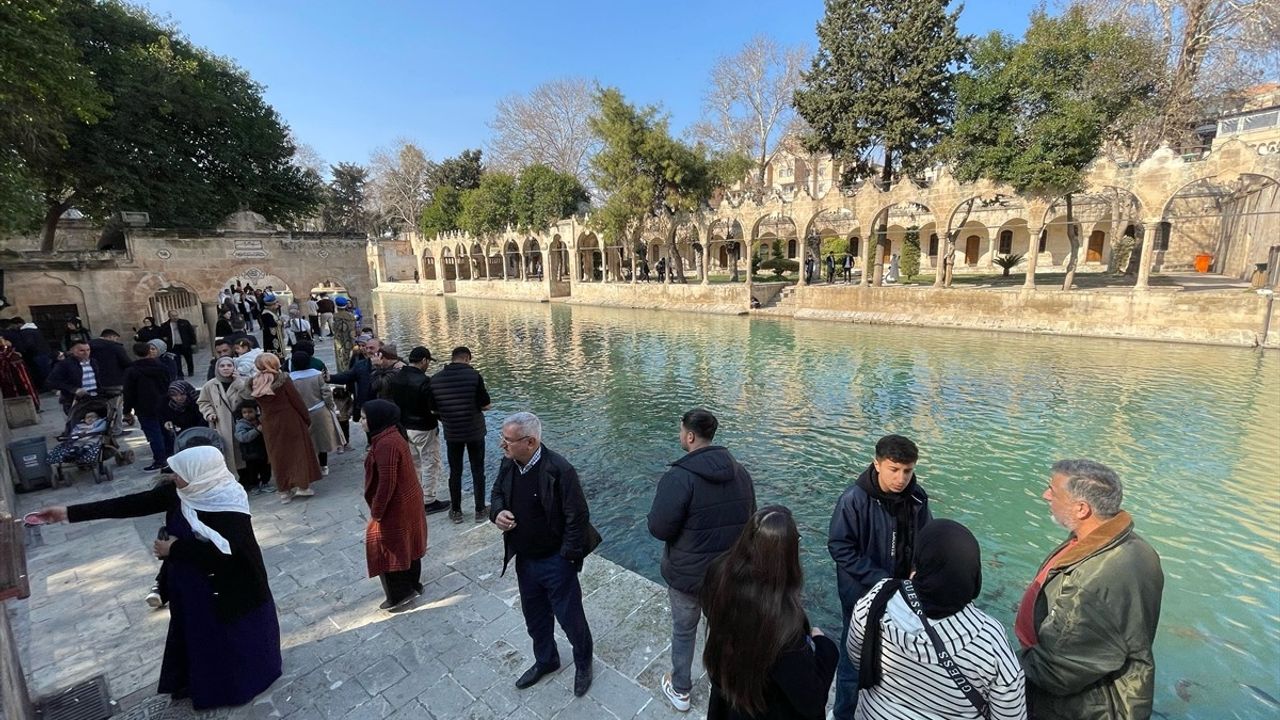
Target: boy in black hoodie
pixel 146 386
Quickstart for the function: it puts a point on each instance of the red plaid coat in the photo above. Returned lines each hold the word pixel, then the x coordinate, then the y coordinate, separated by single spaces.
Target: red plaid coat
pixel 397 531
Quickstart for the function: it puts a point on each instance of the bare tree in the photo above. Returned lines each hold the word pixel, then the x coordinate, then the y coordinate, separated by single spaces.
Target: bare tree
pixel 1205 49
pixel 399 178
pixel 748 106
pixel 546 127
pixel 308 158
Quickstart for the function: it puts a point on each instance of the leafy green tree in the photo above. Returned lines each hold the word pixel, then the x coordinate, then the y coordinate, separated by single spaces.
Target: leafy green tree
pixel 442 213
pixel 881 83
pixel 488 209
pixel 43 85
pixel 1034 114
pixel 463 172
pixel 346 205
pixel 543 196
pixel 648 175
pixel 909 263
pixel 184 135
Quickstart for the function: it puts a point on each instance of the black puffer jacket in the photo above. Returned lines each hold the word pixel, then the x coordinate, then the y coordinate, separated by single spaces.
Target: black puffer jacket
pixel 410 390
pixel 700 508
pixel 460 395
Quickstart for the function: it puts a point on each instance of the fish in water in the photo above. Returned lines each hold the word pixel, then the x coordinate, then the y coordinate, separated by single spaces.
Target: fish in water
pixel 1262 695
pixel 1183 689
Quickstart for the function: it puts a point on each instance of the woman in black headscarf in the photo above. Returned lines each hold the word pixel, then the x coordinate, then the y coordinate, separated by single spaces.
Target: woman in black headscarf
pixel 895 639
pixel 396 537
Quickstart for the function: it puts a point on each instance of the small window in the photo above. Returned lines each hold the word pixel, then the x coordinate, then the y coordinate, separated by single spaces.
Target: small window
pixel 933 245
pixel 1006 242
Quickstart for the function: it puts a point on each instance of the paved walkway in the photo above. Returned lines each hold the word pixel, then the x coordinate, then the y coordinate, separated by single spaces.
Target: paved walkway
pixel 456 654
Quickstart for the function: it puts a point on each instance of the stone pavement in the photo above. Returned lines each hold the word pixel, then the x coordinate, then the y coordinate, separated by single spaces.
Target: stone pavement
pixel 455 654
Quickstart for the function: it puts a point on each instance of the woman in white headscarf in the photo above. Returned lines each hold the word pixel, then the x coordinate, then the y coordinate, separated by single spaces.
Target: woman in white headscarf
pixel 217 403
pixel 223 647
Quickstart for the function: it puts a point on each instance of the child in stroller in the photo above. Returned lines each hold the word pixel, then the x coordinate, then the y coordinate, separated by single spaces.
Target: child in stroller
pixel 89 443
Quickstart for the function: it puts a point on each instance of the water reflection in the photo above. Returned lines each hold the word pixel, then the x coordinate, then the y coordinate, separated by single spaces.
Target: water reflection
pixel 1194 432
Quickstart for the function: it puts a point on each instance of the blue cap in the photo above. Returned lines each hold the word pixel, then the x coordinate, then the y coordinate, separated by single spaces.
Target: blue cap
pixel 269 298
pixel 340 301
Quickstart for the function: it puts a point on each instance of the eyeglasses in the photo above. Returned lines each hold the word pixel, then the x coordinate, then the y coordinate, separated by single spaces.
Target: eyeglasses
pixel 505 442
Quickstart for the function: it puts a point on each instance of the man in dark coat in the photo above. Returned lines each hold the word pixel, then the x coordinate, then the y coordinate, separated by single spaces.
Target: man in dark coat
pixel 146 387
pixel 538 505
pixel 35 351
pixel 699 510
pixel 461 399
pixel 180 336
pixel 112 361
pixel 872 537
pixel 410 390
pixel 75 376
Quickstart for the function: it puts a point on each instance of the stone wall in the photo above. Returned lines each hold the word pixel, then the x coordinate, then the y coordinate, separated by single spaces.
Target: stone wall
pixel 718 298
pixel 14 701
pixel 503 289
pixel 1220 319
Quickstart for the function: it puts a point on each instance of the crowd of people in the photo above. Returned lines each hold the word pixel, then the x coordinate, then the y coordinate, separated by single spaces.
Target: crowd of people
pixel 912 643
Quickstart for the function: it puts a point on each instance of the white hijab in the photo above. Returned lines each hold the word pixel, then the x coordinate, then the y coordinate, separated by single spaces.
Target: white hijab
pixel 210 488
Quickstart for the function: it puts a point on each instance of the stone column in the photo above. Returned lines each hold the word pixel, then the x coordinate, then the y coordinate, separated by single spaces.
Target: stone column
pixel 804 253
pixel 1033 252
pixel 575 267
pixel 991 248
pixel 1150 233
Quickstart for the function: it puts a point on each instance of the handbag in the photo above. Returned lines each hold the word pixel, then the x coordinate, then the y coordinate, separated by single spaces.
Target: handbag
pixel 944 657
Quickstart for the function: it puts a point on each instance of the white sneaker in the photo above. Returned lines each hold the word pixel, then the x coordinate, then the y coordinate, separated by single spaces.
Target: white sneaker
pixel 304 493
pixel 679 701
pixel 324 469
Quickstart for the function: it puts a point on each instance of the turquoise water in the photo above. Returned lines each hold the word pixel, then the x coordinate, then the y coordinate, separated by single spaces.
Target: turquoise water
pixel 1193 431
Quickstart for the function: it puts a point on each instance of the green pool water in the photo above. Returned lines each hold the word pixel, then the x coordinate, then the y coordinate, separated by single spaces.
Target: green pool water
pixel 1193 431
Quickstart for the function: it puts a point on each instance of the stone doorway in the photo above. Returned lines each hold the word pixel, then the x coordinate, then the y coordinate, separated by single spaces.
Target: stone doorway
pixel 52 321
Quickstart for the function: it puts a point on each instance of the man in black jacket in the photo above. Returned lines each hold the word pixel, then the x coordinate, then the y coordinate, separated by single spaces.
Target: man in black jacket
pixel 872 537
pixel 112 361
pixel 410 390
pixel 701 506
pixel 181 338
pixel 538 505
pixel 460 400
pixel 75 376
pixel 146 386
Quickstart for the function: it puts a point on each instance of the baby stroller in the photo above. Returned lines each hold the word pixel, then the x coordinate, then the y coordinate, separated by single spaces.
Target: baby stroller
pixel 89 445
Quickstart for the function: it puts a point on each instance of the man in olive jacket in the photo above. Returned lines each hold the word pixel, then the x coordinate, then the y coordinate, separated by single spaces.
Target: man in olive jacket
pixel 1087 621
pixel 538 505
pixel 698 512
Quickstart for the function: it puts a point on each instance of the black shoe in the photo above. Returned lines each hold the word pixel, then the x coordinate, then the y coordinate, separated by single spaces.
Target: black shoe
pixel 153 467
pixel 482 515
pixel 435 506
pixel 404 603
pixel 533 675
pixel 582 680
pixel 455 516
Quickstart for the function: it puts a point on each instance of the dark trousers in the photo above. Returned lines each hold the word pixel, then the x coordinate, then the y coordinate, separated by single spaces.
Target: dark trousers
pixel 475 455
pixel 400 584
pixel 314 321
pixel 185 352
pixel 255 473
pixel 549 589
pixel 157 438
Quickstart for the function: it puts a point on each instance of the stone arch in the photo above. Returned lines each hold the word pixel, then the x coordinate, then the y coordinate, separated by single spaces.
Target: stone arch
pixel 1012 237
pixel 531 252
pixel 895 218
pixel 462 262
pixel 1231 219
pixel 1089 210
pixel 511 261
pixel 769 228
pixel 428 265
pixel 590 258
pixel 724 243
pixel 558 259
pixel 448 264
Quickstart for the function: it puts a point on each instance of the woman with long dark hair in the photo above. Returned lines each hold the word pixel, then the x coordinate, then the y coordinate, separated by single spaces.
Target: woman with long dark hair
pixel 763 657
pixel 897 626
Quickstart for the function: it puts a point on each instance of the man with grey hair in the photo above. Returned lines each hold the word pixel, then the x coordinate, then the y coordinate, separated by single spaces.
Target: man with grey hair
pixel 538 505
pixel 1087 621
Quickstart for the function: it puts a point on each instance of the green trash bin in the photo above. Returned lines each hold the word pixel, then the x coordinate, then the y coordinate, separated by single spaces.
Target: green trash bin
pixel 29 461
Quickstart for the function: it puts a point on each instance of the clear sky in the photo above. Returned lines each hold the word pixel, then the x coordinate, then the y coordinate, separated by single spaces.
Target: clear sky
pixel 350 77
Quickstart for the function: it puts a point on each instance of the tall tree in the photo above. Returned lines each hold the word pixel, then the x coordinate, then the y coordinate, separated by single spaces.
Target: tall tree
pixel 1204 51
pixel 462 172
pixel 488 208
pixel 546 127
pixel 43 86
pixel 1033 114
pixel 442 213
pixel 748 108
pixel 401 185
pixel 346 205
pixel 647 175
pixel 184 135
pixel 880 86
pixel 544 195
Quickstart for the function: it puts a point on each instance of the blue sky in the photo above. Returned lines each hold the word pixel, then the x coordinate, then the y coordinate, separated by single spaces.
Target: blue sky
pixel 351 77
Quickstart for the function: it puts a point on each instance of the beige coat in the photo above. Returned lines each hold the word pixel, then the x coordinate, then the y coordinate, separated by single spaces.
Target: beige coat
pixel 318 397
pixel 218 406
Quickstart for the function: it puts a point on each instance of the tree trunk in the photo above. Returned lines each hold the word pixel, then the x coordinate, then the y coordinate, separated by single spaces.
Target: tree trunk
pixel 1073 237
pixel 948 253
pixel 51 217
pixel 1194 43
